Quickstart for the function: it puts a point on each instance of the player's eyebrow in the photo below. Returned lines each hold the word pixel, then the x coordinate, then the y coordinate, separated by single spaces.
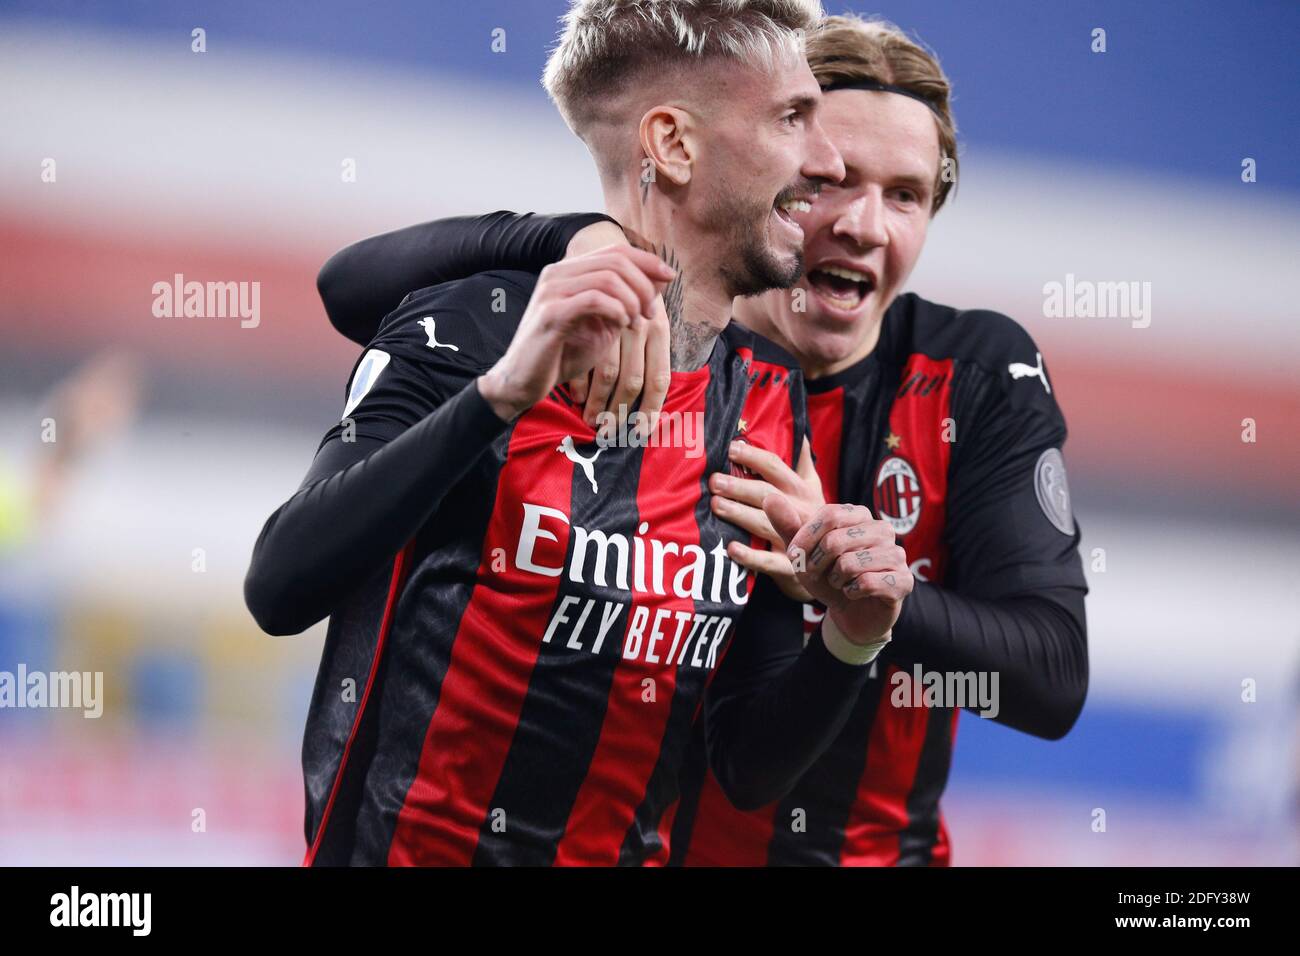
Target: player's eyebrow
pixel 803 102
pixel 854 172
pixel 913 180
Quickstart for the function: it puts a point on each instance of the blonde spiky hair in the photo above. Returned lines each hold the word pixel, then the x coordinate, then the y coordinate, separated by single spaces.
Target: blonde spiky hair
pixel 607 44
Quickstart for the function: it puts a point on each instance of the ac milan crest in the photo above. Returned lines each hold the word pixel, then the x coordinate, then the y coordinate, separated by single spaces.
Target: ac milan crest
pixel 898 494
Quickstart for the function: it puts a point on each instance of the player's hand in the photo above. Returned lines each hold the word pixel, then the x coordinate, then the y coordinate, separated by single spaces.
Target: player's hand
pixel 848 560
pixel 576 314
pixel 740 501
pixel 639 362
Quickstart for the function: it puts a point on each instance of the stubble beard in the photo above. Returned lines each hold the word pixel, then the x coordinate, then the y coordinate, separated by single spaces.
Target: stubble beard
pixel 749 265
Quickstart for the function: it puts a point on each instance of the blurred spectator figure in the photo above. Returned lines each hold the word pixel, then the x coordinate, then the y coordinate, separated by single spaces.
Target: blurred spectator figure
pixel 94 404
pixel 97 402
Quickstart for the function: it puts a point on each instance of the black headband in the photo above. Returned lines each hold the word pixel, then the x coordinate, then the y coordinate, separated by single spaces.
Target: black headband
pixel 876 85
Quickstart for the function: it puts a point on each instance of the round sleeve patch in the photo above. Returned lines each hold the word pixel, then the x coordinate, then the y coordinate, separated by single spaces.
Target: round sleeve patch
pixel 1053 491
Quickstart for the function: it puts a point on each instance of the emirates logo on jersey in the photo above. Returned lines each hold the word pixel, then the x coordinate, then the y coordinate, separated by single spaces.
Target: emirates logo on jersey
pixel 898 494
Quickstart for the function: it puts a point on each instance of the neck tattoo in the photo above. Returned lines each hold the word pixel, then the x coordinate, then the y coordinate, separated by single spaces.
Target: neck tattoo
pixel 690 343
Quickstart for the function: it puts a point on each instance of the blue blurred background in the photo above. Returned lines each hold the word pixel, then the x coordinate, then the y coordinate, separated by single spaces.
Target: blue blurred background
pixel 127 158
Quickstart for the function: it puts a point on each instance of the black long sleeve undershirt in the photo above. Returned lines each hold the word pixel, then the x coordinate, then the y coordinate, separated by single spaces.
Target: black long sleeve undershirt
pixel 789 703
pixel 363 282
pixel 1036 643
pixel 359 504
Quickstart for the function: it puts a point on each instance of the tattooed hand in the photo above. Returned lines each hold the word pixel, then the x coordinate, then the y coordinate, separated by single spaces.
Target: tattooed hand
pixel 847 560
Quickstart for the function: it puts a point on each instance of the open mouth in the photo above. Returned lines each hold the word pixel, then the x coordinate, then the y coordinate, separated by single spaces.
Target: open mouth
pixel 840 287
pixel 785 209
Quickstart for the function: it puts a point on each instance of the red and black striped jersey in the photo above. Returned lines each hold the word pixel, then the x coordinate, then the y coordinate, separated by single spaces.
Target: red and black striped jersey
pixel 520 685
pixel 951 431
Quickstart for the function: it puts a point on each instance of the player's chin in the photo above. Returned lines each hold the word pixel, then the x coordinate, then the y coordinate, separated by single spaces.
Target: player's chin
pixel 784 264
pixel 823 339
pixel 785 239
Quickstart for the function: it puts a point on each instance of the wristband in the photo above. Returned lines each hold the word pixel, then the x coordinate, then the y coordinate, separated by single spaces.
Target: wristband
pixel 842 649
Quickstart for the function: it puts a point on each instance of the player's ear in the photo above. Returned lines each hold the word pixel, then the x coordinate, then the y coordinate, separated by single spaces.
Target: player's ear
pixel 666 143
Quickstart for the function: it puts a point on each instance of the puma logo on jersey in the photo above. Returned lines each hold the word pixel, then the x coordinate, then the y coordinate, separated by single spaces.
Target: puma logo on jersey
pixel 1021 370
pixel 427 324
pixel 588 464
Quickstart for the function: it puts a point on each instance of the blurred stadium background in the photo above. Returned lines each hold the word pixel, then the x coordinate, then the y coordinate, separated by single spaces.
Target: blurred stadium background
pixel 228 165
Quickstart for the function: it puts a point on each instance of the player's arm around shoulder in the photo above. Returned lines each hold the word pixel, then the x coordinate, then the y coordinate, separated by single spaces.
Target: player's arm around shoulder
pixel 512 333
pixel 363 282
